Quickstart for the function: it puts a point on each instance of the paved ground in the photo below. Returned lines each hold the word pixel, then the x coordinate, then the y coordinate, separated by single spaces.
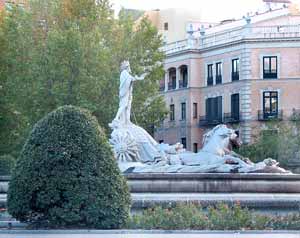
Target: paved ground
pixel 143 234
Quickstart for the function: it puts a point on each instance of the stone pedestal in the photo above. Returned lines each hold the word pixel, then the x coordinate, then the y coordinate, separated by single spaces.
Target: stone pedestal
pixel 264 193
pixel 213 183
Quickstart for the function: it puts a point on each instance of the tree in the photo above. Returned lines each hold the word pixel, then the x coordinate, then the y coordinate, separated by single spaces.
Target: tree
pixel 68 52
pixel 279 141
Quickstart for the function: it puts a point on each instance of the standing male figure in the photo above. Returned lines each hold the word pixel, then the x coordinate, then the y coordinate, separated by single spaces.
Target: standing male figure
pixel 125 95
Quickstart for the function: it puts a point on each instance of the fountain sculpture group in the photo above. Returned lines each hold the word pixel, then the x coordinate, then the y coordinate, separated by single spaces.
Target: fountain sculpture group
pixel 137 152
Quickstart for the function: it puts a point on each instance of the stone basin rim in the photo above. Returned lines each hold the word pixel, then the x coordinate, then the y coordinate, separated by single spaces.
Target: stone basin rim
pixel 196 176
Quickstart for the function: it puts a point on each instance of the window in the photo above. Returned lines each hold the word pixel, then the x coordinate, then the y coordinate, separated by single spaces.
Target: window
pixel 195 110
pixel 270 67
pixel 183 142
pixel 235 107
pixel 184 77
pixel 172 79
pixel 166 26
pixel 218 73
pixel 235 67
pixel 214 110
pixel 210 79
pixel 183 111
pixel 195 147
pixel 270 104
pixel 174 82
pixel 172 112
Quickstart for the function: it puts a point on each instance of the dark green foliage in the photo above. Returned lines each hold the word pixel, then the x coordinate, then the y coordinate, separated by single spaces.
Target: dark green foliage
pixel 66 175
pixel 220 217
pixel 266 146
pixel 7 163
pixel 279 141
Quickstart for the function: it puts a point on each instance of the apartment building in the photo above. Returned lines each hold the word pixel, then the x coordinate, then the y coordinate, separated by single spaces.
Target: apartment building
pixel 243 74
pixel 173 24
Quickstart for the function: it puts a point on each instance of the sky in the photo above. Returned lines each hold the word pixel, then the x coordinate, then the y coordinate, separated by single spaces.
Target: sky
pixel 211 10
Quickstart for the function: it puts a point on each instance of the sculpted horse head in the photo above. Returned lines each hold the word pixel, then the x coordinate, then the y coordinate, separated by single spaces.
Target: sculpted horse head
pixel 219 140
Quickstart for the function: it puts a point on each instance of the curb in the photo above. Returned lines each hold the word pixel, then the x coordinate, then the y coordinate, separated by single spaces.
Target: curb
pixel 116 232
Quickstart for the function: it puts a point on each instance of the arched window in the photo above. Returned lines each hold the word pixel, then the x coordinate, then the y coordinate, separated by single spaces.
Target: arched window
pixel 183 80
pixel 172 79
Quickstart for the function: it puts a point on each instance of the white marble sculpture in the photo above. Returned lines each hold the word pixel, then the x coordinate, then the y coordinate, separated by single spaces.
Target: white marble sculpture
pixel 137 152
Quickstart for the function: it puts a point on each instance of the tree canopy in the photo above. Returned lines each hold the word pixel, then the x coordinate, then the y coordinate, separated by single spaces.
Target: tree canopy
pixel 68 52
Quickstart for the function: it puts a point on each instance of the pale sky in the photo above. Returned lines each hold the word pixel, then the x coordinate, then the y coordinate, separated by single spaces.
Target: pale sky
pixel 211 10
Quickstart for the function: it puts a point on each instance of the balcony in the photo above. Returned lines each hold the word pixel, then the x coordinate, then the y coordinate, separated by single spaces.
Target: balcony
pixel 295 116
pixel 232 117
pixel 238 32
pixel 269 116
pixel 210 81
pixel 218 79
pixel 270 74
pixel 171 86
pixel 161 88
pixel 206 121
pixel 235 76
pixel 183 84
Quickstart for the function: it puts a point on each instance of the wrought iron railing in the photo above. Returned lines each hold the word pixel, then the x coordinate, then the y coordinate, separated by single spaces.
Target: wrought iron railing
pixel 232 117
pixel 171 86
pixel 161 87
pixel 295 116
pixel 210 81
pixel 218 79
pixel 208 121
pixel 235 76
pixel 268 116
pixel 183 84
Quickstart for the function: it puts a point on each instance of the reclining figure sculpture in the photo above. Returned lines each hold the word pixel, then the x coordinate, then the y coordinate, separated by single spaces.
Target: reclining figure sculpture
pixel 137 152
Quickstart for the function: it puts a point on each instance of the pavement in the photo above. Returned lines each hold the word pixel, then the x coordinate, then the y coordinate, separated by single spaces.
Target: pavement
pixel 144 234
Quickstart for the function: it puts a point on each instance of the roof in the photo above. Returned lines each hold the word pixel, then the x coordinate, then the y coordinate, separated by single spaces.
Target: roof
pixel 277 1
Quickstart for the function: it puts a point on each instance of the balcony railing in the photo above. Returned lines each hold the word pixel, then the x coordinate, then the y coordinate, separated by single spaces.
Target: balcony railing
pixel 210 81
pixel 269 116
pixel 171 86
pixel 162 87
pixel 182 83
pixel 232 35
pixel 207 121
pixel 295 116
pixel 235 76
pixel 232 117
pixel 270 75
pixel 218 79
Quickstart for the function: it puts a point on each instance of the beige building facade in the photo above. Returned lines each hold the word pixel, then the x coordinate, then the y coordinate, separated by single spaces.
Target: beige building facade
pixel 242 74
pixel 174 23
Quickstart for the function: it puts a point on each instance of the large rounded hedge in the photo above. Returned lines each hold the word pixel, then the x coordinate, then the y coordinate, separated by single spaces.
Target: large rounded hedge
pixel 66 175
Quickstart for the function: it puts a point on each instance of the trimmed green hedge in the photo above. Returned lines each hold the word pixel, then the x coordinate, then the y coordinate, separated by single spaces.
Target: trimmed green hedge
pixel 66 175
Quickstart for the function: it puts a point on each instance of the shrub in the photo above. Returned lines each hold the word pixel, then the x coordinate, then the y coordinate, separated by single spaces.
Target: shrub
pixel 224 217
pixel 7 163
pixel 182 216
pixel 280 141
pixel 66 175
pixel 220 217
